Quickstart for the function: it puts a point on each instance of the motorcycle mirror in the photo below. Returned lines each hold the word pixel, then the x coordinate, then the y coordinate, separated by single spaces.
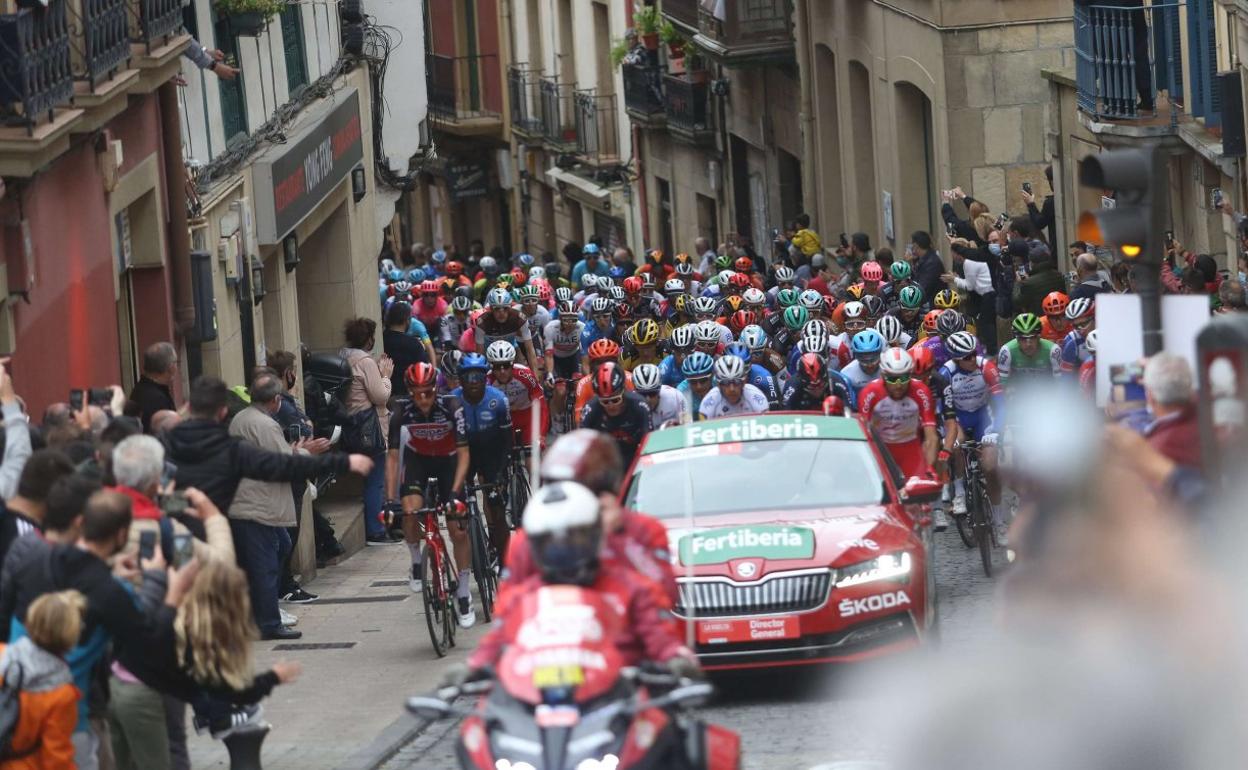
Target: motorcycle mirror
pixel 688 695
pixel 427 707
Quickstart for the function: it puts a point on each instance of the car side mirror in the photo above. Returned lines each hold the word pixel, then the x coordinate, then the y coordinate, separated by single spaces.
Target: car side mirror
pixel 921 490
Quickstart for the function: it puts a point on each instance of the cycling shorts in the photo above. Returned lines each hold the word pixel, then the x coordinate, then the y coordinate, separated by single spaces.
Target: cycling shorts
pixel 909 457
pixel 419 468
pixel 566 368
pixel 978 425
pixel 489 462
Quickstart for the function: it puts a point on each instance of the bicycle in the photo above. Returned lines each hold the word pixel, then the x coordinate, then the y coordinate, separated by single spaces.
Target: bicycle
pixel 437 574
pixel 978 505
pixel 516 485
pixel 485 559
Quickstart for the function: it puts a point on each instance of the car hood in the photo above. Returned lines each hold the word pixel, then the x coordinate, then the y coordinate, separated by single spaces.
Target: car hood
pixel 777 541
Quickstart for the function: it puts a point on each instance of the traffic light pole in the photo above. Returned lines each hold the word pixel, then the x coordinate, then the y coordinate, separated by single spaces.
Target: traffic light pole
pixel 1148 281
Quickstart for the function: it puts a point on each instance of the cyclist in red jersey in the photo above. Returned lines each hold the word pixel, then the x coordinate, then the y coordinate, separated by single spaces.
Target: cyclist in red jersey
pixel 523 391
pixel 902 410
pixel 1054 326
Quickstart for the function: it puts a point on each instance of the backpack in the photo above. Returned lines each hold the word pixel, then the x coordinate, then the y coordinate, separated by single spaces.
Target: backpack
pixel 326 378
pixel 10 712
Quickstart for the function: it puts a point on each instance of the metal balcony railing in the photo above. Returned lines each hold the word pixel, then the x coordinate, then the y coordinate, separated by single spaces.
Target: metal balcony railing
pixel 597 137
pixel 1125 56
pixel 558 114
pixel 682 11
pixel 750 27
pixel 643 90
pixel 100 39
pixel 155 21
pixel 525 100
pixel 35 72
pixel 687 106
pixel 457 86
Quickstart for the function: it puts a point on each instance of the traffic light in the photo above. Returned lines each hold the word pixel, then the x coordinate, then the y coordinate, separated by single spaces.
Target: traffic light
pixel 1128 226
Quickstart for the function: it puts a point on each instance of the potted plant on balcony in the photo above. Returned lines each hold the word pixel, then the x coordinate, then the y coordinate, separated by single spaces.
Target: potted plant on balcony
pixel 619 50
pixel 675 41
pixel 646 22
pixel 249 17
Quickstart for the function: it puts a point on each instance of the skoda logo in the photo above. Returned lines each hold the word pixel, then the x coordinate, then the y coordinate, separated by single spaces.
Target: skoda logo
pixel 746 569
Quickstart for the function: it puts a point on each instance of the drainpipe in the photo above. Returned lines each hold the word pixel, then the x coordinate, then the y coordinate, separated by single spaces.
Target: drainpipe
pixel 179 236
pixel 641 187
pixel 806 116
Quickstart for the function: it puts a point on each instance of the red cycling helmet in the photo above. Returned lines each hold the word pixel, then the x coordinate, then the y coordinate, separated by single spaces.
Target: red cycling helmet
pixel 429 287
pixel 454 268
pixel 811 368
pixel 741 319
pixel 871 271
pixel 1054 303
pixel 923 360
pixel 633 285
pixel 740 281
pixel 603 349
pixel 833 406
pixel 743 265
pixel 929 320
pixel 587 457
pixel 609 380
pixel 421 375
pixel 518 277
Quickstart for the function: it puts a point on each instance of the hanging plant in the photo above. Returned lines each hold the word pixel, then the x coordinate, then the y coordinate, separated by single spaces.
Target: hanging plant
pixel 249 17
pixel 646 22
pixel 619 50
pixel 675 41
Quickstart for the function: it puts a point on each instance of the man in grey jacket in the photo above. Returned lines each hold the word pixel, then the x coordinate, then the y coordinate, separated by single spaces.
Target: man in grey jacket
pixel 262 510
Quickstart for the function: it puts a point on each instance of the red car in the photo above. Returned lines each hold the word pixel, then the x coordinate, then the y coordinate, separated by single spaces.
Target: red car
pixel 794 537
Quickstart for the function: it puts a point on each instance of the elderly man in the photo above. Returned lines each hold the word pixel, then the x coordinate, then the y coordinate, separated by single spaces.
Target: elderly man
pixel 1090 281
pixel 154 390
pixel 1168 391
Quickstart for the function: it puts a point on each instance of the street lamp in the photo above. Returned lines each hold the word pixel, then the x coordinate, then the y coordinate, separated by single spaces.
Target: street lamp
pixel 290 252
pixel 257 280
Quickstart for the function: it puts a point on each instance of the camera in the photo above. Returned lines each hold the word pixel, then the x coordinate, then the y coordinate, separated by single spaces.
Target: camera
pixel 1027 187
pixel 173 504
pixel 79 399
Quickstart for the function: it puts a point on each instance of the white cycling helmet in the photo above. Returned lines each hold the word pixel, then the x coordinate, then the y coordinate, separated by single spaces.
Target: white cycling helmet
pixel 815 335
pixel 754 337
pixel 682 337
pixel 600 306
pixel 536 272
pixel 674 286
pixel 785 274
pixel 647 378
pixel 706 331
pixel 589 281
pixel 754 296
pixel 1090 341
pixel 1079 308
pixel 889 328
pixel 896 363
pixel 729 369
pixel 501 352
pixel 960 344
pixel 704 306
pixel 855 310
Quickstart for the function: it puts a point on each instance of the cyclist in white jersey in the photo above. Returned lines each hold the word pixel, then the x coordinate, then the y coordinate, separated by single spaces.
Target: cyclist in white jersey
pixel 732 395
pixel 666 403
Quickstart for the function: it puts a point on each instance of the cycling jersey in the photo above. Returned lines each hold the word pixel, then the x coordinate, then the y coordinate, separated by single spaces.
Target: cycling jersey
pixel 911 327
pixel 1074 352
pixel 759 377
pixel 692 399
pixel 487 419
pixel 1053 333
pixel 522 391
pixel 585 390
pixel 898 420
pixel 439 432
pixel 715 405
pixel 669 368
pixel 796 398
pixel 936 344
pixel 454 328
pixel 970 394
pixel 670 408
pixel 431 314
pixel 628 428
pixel 591 333
pixel 563 344
pixel 537 325
pixel 857 377
pixel 1087 376
pixel 1013 364
pixel 513 329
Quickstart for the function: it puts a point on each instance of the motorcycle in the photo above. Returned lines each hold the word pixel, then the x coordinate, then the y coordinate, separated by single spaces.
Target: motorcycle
pixel 562 699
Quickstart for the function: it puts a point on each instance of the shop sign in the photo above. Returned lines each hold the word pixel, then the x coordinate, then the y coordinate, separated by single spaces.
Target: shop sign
pixel 468 178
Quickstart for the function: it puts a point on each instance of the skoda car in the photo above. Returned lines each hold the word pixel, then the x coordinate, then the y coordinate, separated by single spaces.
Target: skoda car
pixel 794 537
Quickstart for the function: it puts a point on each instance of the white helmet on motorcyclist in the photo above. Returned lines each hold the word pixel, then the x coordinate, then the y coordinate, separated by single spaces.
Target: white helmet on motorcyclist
pixel 563 524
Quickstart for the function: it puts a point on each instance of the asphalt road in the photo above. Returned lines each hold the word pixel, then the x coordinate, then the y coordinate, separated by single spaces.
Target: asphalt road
pixel 804 717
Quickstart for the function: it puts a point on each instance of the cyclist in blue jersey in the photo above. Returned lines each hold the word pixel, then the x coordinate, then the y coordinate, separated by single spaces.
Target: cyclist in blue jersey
pixel 601 323
pixel 697 369
pixel 487 426
pixel 755 375
pixel 681 343
pixel 867 347
pixel 1082 316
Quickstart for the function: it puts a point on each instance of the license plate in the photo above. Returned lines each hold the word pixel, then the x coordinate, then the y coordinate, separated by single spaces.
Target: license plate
pixel 556 716
pixel 748 630
pixel 545 677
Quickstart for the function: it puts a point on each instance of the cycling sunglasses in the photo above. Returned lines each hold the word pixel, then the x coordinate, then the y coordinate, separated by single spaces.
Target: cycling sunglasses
pixel 423 393
pixel 897 380
pixel 1081 323
pixel 612 401
pixel 700 380
pixel 475 376
pixel 500 366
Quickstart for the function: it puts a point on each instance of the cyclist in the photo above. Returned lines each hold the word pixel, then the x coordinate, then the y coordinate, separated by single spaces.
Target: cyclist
pixel 761 354
pixel 427 441
pixel 704 312
pixel 487 278
pixel 813 382
pixel 448 371
pixel 908 310
pixel 455 279
pixel 901 274
pixel 948 322
pixel 928 329
pixel 637 298
pixel 1028 356
pixel 501 321
pixel 890 329
pixel 681 345
pixel 697 369
pixel 644 336
pixel 521 387
pixel 707 339
pixel 1054 326
pixel 755 375
pixel 786 336
pixel 615 411
pixel 814 339
pixel 431 310
pixel 531 310
pixel 487 424
pixel 732 395
pixel 867 345
pixel 1082 316
pixel 599 353
pixel 973 386
pixel 1087 372
pixel 458 320
pixel 854 320
pixel 601 324
pixel 665 402
pixel 563 342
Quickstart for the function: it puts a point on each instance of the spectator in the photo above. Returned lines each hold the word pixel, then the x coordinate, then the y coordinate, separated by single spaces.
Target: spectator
pixel 1231 296
pixel 370 389
pixel 1041 278
pixel 23 513
pixel 623 259
pixel 1090 283
pixel 979 285
pixel 591 262
pixel 706 254
pixel 824 274
pixel 860 249
pixel 35 665
pixel 1043 218
pixel 804 238
pixel 16 437
pixel 211 460
pixel 928 266
pixel 402 348
pixel 153 392
pixel 164 421
pixel 1168 391
pixel 1120 277
pixel 970 228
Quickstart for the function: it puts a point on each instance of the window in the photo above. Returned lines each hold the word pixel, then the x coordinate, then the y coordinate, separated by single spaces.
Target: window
pixel 292 41
pixel 233 97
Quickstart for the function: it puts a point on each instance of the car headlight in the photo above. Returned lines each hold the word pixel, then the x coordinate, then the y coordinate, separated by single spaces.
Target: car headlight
pixel 609 762
pixel 890 566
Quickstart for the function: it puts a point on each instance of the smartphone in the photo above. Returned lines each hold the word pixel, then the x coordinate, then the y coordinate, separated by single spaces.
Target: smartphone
pixel 293 434
pixel 1216 197
pixel 951 230
pixel 1022 272
pixel 173 504
pixel 168 475
pixel 100 396
pixel 183 549
pixel 1027 187
pixel 147 544
pixel 77 399
pixel 844 241
pixel 1169 238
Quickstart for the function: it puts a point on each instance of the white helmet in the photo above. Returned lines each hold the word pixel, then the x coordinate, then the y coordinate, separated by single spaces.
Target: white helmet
pixel 754 296
pixel 589 281
pixel 785 274
pixel 889 328
pixel 647 378
pixel 754 337
pixel 896 363
pixel 706 331
pixel 501 352
pixel 536 272
pixel 960 344
pixel 815 336
pixel 1079 308
pixel 674 286
pixel 1090 341
pixel 855 310
pixel 729 369
pixel 565 531
pixel 682 337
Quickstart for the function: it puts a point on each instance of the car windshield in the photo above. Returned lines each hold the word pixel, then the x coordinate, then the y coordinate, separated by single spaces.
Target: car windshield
pixel 756 476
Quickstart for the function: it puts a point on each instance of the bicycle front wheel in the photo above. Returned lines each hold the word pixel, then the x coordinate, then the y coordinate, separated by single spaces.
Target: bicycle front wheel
pixel 484 565
pixel 966 529
pixel 435 595
pixel 517 495
pixel 983 526
pixel 450 618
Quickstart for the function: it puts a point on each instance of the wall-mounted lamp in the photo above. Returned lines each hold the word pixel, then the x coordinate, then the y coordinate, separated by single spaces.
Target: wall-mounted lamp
pixel 257 280
pixel 359 183
pixel 290 252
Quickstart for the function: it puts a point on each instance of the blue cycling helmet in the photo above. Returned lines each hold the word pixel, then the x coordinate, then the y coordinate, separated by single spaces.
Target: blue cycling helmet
pixel 415 275
pixel 395 275
pixel 439 256
pixel 618 273
pixel 867 342
pixel 697 364
pixel 473 362
pixel 590 248
pixel 738 349
pixel 525 260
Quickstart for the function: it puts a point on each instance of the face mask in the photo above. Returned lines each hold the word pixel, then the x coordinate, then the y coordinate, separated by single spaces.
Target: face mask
pixel 1243 279
pixel 995 249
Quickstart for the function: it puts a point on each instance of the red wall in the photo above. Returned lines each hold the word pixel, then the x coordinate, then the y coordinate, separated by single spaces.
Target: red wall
pixel 442 27
pixel 67 336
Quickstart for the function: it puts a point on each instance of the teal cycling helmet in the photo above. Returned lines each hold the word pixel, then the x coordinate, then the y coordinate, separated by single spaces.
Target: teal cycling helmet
pixel 698 364
pixel 795 317
pixel 911 297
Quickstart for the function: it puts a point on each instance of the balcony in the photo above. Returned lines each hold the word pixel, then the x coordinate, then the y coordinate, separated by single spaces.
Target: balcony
pixel 155 22
pixel 102 50
pixel 682 12
pixel 526 103
pixel 464 97
pixel 643 95
pixel 597 133
pixel 35 74
pixel 558 115
pixel 747 32
pixel 687 105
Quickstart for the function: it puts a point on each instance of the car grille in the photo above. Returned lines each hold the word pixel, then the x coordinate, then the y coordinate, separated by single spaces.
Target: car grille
pixel 718 597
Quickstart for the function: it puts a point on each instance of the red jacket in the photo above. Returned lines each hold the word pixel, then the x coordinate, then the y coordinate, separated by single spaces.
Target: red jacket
pixel 646 631
pixel 1177 436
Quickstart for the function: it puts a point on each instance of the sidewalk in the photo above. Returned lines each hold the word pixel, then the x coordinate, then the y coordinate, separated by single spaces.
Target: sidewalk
pixel 354 690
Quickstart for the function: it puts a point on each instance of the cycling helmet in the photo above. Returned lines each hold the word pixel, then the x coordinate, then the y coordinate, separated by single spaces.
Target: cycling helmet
pixel 564 528
pixel 624 313
pixel 855 290
pixel 739 281
pixel 400 288
pixel 473 362
pixel 754 337
pixel 505 281
pixel 429 287
pixel 525 260
pixel 553 270
pixel 1054 303
pixel 867 342
pixel 609 380
pixel 386 266
pixel 854 310
pixel 723 277
pixel 1026 325
pixel 615 293
pixel 698 364
pixel 682 337
pixel 684 268
pixel 704 306
pixel 461 304
pixel 617 272
pixel 811 368
pixel 910 297
pixel 889 328
pixel 605 283
pixel 645 332
pixel 647 378
pixel 706 331
pixel 930 320
pixel 600 306
pixel 731 304
pixel 439 256
pixel 895 362
pixel 527 292
pixel 603 349
pixel 946 299
pixel 454 268
pixel 501 352
pixel 489 266
pixel 674 286
pixel 544 293
pixel 960 344
pixel 420 375
pixel 416 276
pixel 498 298
pixel 924 359
pixel 741 319
pixel 738 349
pixel 950 322
pixel 449 364
pixel 536 272
pixel 590 248
pixel 785 274
pixel 567 309
pixel 754 297
pixel 682 303
pixel 394 275
pixel 1078 308
pixel 563 294
pixel 787 297
pixel 871 271
pixel 723 262
pixel 811 300
pixel 873 305
pixel 1089 341
pixel 518 277
pixel 589 281
pixel 647 278
pixel 633 285
pixel 743 265
pixel 815 336
pixel 795 317
pixel 900 270
pixel 729 369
